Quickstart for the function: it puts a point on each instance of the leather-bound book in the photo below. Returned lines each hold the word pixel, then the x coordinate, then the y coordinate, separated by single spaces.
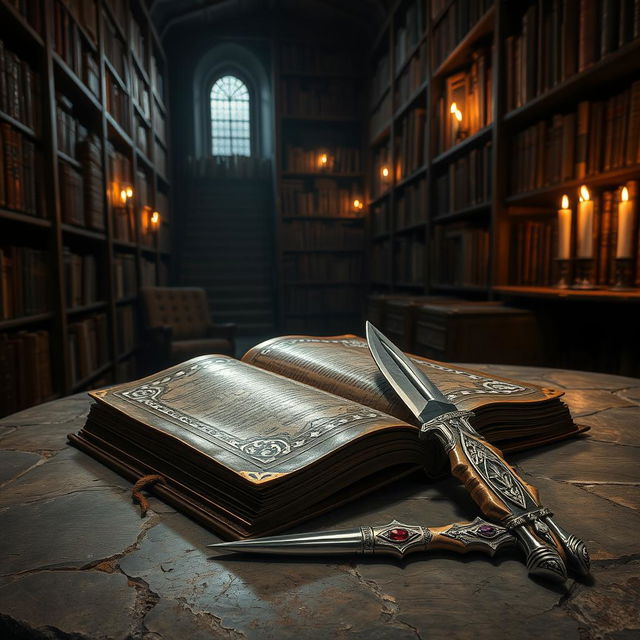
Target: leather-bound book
pixel 299 426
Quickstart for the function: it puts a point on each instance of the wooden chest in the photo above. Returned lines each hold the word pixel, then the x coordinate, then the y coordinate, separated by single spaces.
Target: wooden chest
pixel 478 332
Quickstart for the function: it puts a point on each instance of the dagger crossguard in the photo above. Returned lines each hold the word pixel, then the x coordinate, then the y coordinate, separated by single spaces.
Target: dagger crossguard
pixel 505 498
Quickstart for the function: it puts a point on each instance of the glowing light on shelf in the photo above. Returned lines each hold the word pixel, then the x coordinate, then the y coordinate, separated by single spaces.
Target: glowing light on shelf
pixel 358 204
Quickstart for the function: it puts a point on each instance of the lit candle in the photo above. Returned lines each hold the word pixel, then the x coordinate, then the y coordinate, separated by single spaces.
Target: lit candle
pixel 456 119
pixel 323 160
pixel 564 230
pixel 358 204
pixel 624 246
pixel 585 224
pixel 155 219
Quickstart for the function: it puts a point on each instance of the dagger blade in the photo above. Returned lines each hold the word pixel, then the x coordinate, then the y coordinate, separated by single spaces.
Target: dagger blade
pixel 421 395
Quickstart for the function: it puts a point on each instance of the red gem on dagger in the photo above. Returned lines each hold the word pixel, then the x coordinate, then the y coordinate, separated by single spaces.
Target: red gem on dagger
pixel 398 535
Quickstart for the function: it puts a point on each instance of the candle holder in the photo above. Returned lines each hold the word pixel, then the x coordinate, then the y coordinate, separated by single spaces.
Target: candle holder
pixel 563 270
pixel 585 279
pixel 624 274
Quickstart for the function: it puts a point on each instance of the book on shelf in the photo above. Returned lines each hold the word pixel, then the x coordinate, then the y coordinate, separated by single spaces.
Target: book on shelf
pixel 160 157
pixel 454 24
pixel 69 44
pixel 411 204
pixel 413 77
pixel 25 370
pixel 157 78
pixel 532 244
pixel 80 278
pixel 319 98
pixel 471 92
pixel 124 275
pixel 125 328
pixel 465 182
pixel 409 31
pixel 461 255
pixel 410 143
pixel 71 194
pixel 409 260
pixel 19 89
pixel 87 344
pixel 117 101
pixel 115 50
pixel 322 234
pixel 322 268
pixel 564 37
pixel 138 41
pixel 314 59
pixel 599 136
pixel 381 78
pixel 140 93
pixel 20 164
pixel 332 431
pixel 24 282
pixel 160 125
pixel 330 160
pixel 323 197
pixel 381 117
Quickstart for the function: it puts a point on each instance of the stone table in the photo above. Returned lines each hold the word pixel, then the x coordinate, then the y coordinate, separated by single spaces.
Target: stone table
pixel 78 561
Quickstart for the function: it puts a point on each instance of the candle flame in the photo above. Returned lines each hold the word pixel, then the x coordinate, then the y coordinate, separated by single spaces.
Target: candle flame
pixel 565 202
pixel 625 194
pixel 155 218
pixel 584 193
pixel 323 159
pixel 129 192
pixel 458 115
pixel 357 204
pixel 123 196
pixel 385 172
pixel 453 108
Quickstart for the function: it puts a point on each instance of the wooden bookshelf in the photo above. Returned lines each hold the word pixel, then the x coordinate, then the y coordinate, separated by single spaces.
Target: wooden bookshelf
pixel 483 143
pixel 319 174
pixel 71 68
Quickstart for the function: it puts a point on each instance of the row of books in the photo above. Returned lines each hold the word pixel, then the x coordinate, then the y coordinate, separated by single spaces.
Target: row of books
pixel 459 19
pixel 157 77
pixel 24 282
pixel 20 163
pixel 160 158
pixel 599 136
pixel 124 275
pixel 532 245
pixel 410 143
pixel 311 59
pixel 31 11
pixel 80 279
pixel 117 101
pixel 321 300
pixel 409 32
pixel 466 105
pixel 323 99
pixel 115 50
pixel 244 167
pixel 330 160
pixel 411 204
pixel 69 44
pixel 460 256
pixel 380 262
pixel 380 117
pixel 142 135
pixel 138 41
pixel 140 94
pixel 25 370
pixel 560 38
pixel 160 125
pixel 322 198
pixel 71 195
pixel 319 234
pixel 466 182
pixel 413 77
pixel 409 260
pixel 322 268
pixel 19 89
pixel 125 328
pixel 87 343
pixel 380 218
pixel 381 77
pixel 86 14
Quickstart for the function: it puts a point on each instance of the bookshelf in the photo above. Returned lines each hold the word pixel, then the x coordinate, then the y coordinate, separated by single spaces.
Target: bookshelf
pixel 528 79
pixel 83 144
pixel 320 186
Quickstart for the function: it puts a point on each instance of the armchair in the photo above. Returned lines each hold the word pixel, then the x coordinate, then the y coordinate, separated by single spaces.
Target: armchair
pixel 178 326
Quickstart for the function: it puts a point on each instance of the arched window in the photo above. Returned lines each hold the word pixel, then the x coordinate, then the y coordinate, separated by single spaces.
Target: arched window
pixel 230 117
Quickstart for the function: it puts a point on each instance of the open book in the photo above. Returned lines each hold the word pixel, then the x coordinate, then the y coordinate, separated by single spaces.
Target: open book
pixel 299 426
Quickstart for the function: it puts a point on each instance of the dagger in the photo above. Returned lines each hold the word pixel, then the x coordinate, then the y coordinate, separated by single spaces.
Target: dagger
pixel 503 497
pixel 394 539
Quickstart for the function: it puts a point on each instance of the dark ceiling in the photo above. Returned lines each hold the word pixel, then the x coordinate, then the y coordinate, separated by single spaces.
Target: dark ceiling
pixel 366 15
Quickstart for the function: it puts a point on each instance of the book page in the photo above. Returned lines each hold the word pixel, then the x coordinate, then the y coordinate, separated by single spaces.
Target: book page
pixel 343 365
pixel 253 422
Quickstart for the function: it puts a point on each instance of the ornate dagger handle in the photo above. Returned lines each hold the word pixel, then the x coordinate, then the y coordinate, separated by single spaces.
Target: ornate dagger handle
pixel 395 539
pixel 506 498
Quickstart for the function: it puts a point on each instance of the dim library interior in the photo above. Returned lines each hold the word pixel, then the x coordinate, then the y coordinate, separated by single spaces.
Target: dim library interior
pixel 462 173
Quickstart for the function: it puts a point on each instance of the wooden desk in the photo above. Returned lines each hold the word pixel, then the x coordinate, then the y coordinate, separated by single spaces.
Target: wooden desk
pixel 76 556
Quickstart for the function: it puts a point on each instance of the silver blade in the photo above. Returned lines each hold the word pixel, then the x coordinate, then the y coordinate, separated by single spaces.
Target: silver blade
pixel 345 541
pixel 423 397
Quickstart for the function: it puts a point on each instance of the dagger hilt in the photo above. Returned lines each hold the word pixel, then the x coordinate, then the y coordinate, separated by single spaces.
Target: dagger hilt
pixel 506 498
